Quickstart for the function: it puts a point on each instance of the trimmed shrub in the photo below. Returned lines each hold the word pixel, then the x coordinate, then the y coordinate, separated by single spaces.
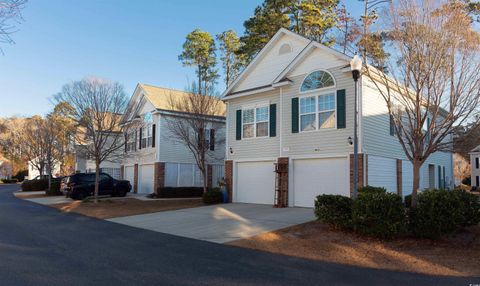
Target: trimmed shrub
pixel 213 196
pixel 408 201
pixel 20 175
pixel 180 192
pixel 10 181
pixel 379 214
pixel 471 207
pixel 371 189
pixel 467 181
pixel 39 185
pixel 335 210
pixel 55 188
pixel 438 212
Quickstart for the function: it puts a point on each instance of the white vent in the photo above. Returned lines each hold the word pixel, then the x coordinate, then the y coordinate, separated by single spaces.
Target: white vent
pixel 285 49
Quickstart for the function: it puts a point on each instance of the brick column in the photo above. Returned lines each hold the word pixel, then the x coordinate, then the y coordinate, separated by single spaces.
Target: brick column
pixel 399 178
pixel 158 177
pixel 209 176
pixel 360 172
pixel 229 178
pixel 122 172
pixel 135 178
pixel 282 182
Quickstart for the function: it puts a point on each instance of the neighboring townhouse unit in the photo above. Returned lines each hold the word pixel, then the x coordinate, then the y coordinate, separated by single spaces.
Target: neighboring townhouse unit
pixel 85 164
pixel 33 171
pixel 475 166
pixel 153 158
pixel 290 127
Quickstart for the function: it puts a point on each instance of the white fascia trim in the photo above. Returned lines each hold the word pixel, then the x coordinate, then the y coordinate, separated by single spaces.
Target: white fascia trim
pixel 282 83
pixel 179 114
pixel 255 60
pixel 293 63
pixel 241 94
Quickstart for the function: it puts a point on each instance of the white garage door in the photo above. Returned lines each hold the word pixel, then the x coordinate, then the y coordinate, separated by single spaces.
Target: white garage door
pixel 313 177
pixel 255 182
pixel 145 179
pixel 382 172
pixel 128 175
pixel 407 177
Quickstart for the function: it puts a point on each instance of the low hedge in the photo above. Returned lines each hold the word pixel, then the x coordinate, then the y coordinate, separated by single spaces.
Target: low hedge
pixel 180 192
pixel 371 189
pixel 9 181
pixel 335 210
pixel 54 189
pixel 379 214
pixel 438 212
pixel 213 196
pixel 471 207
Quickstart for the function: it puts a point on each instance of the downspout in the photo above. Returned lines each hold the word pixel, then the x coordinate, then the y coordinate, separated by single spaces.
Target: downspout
pixel 280 112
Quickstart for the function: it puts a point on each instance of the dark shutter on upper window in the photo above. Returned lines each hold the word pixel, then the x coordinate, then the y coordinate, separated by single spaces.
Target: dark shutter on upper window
pixel 140 141
pixel 477 163
pixel 212 139
pixel 239 125
pixel 126 140
pixel 135 144
pixel 295 115
pixel 153 134
pixel 273 120
pixel 341 109
pixel 392 125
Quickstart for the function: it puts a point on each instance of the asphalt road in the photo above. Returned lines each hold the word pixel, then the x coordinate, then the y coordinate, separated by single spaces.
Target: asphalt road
pixel 41 246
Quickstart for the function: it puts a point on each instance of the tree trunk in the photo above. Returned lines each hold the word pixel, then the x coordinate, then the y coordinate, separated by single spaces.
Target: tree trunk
pixel 416 181
pixel 49 171
pixel 97 181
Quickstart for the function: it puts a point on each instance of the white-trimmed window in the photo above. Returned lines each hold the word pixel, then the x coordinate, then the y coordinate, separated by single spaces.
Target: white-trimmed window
pixel 147 136
pixel 317 112
pixel 255 122
pixel 131 142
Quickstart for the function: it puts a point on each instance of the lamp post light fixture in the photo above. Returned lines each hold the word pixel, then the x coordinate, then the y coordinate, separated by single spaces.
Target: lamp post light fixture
pixel 356 67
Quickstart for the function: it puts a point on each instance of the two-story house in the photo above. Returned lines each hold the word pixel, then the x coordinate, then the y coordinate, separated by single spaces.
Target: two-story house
pixel 153 158
pixel 475 167
pixel 290 127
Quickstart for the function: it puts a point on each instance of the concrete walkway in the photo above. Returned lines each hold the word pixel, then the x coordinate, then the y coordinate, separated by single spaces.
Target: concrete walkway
pixel 220 223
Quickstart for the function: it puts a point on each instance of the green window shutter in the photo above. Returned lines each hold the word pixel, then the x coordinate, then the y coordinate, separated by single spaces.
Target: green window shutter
pixel 341 109
pixel 295 115
pixel 239 125
pixel 273 120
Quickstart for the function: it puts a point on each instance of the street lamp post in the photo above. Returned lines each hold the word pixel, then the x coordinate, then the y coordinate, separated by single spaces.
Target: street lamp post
pixel 356 67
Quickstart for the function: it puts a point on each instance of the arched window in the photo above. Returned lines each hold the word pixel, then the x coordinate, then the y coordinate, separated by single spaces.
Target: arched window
pixel 317 80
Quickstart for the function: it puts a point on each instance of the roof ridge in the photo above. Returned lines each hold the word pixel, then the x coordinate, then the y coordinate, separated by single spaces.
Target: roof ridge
pixel 164 88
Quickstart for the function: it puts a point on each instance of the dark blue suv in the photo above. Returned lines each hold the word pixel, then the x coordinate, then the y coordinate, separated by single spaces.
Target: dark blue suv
pixel 82 185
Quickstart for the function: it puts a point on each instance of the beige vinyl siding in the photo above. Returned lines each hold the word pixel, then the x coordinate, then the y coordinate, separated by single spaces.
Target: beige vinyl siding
pixel 174 151
pixel 377 141
pixel 266 147
pixel 272 63
pixel 319 142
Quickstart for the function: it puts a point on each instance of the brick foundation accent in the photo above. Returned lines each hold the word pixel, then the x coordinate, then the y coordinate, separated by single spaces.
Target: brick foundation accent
pixel 366 168
pixel 122 172
pixel 209 176
pixel 135 178
pixel 281 187
pixel 361 169
pixel 399 178
pixel 229 178
pixel 158 177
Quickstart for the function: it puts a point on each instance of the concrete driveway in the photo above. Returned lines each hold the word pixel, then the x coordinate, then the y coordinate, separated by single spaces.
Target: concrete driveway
pixel 220 223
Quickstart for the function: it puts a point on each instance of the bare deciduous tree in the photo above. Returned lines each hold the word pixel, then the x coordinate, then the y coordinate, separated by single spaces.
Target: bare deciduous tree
pixel 434 84
pixel 96 107
pixel 195 115
pixel 10 13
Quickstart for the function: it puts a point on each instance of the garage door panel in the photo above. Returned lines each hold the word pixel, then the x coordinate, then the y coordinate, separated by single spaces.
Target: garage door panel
pixel 145 179
pixel 313 177
pixel 382 172
pixel 129 174
pixel 255 182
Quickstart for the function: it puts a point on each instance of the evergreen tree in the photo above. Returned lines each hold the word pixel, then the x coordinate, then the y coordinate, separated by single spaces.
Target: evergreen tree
pixel 232 60
pixel 199 51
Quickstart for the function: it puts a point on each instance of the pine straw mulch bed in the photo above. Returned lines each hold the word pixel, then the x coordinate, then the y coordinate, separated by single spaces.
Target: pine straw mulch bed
pixel 110 208
pixel 455 255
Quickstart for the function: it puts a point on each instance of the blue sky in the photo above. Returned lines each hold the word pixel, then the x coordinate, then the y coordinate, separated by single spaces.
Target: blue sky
pixel 129 41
